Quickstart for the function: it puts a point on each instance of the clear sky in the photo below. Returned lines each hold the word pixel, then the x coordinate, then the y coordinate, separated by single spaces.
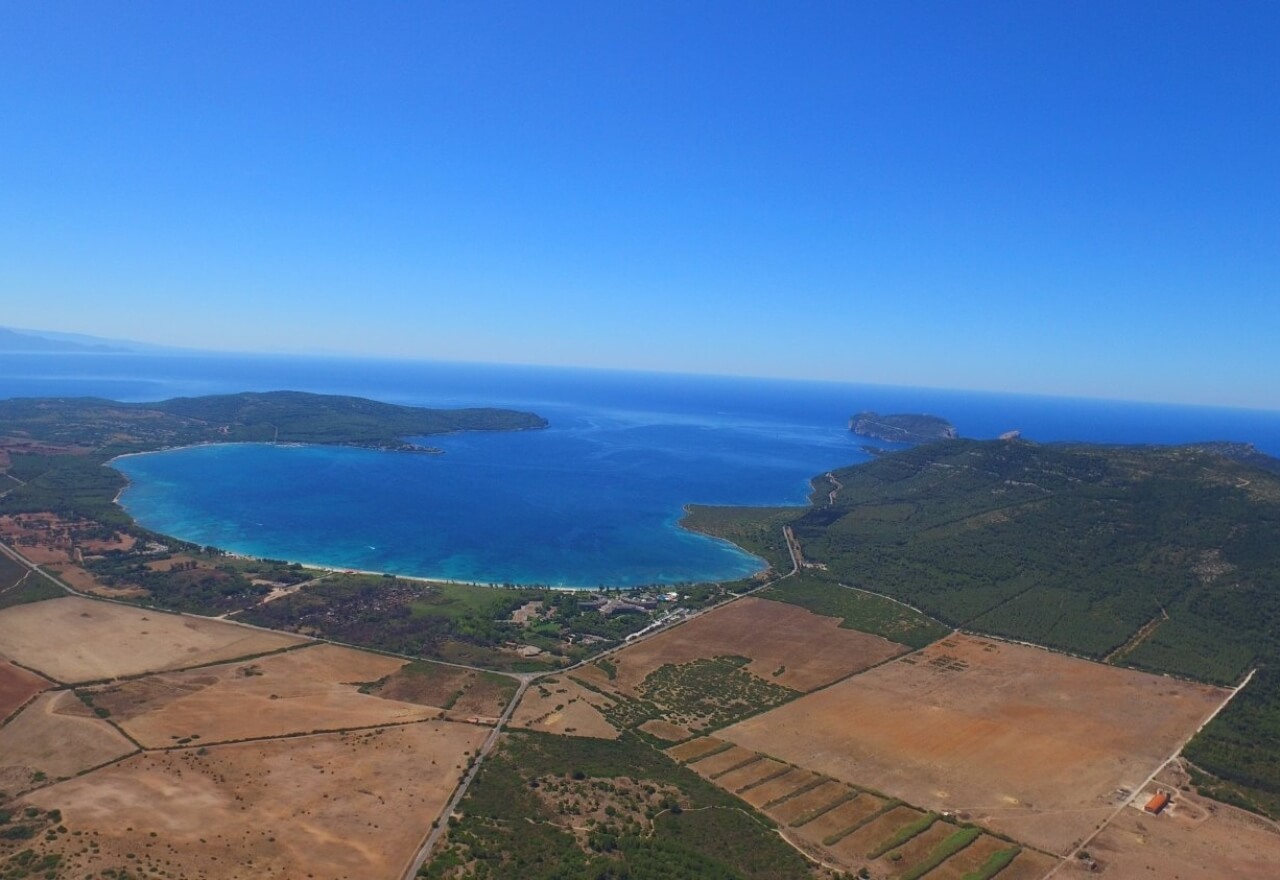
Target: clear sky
pixel 1058 197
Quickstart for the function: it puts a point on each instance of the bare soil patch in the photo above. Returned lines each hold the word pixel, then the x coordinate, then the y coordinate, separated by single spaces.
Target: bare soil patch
pixel 336 806
pixel 871 835
pixel 736 780
pixel 665 730
pixel 776 789
pixel 1028 742
pixel 692 750
pixel 85 582
pixel 16 687
pixel 313 688
pixel 796 808
pixel 561 705
pixel 788 645
pixel 76 640
pixel 839 819
pixel 722 762
pixel 1195 838
pixel 1029 865
pixel 55 737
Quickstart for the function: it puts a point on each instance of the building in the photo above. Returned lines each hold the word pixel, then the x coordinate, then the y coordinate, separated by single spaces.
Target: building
pixel 1158 802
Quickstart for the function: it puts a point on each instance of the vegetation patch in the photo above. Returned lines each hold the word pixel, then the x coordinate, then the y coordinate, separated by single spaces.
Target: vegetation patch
pixel 994 864
pixel 945 850
pixel 711 693
pixel 903 834
pixel 858 610
pixel 545 806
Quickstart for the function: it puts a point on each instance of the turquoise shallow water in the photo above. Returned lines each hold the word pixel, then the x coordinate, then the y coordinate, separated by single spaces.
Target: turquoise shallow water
pixel 595 499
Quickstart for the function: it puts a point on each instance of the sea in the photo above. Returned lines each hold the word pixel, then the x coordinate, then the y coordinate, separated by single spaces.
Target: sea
pixel 594 500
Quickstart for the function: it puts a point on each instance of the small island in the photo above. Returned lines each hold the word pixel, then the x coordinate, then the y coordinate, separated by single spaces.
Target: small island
pixel 902 428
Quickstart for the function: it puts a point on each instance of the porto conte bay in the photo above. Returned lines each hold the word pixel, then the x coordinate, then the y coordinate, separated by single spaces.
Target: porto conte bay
pixel 593 499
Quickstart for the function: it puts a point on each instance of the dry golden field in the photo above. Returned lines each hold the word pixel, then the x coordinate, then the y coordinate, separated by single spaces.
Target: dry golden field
pixel 338 806
pixel 308 689
pixel 1027 742
pixel 78 640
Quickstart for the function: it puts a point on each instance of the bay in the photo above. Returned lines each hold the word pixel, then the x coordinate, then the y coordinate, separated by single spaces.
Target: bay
pixel 594 499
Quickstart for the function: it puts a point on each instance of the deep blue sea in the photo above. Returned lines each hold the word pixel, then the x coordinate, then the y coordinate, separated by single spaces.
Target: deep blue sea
pixel 594 499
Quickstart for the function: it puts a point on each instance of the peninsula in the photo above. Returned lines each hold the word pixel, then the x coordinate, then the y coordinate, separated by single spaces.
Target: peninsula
pixel 274 416
pixel 902 428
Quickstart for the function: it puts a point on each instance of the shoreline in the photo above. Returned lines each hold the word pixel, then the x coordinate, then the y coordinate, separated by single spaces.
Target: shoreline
pixel 677 521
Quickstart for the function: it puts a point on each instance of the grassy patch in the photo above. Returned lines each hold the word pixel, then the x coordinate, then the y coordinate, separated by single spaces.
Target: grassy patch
pixel 529 815
pixel 994 864
pixel 35 588
pixel 903 834
pixel 943 851
pixel 857 610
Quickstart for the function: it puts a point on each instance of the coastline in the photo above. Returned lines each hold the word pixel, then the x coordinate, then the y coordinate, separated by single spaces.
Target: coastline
pixel 676 521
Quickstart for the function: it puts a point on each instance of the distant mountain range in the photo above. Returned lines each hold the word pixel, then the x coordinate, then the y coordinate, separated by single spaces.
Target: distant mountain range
pixel 16 341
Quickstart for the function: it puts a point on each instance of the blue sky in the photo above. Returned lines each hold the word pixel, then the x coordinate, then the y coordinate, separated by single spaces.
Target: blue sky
pixel 1079 198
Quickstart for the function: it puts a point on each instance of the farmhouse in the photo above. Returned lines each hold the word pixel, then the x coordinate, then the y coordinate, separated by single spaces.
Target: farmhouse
pixel 1158 802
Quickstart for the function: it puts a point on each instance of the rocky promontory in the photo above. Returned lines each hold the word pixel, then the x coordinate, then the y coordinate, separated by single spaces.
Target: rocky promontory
pixel 902 427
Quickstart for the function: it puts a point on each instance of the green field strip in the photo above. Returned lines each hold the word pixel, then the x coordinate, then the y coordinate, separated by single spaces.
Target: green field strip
pixel 808 817
pixel 943 851
pixel 996 863
pixel 903 834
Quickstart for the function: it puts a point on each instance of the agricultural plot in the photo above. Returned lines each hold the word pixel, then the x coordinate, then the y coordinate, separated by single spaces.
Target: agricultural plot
pixel 310 689
pixel 785 645
pixel 336 806
pixel 79 640
pixel 55 737
pixel 1029 743
pixel 562 706
pixel 17 685
pixel 841 824
pixel 983 851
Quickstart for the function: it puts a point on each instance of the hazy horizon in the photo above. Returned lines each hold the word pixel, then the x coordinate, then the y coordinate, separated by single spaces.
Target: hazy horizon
pixel 1072 201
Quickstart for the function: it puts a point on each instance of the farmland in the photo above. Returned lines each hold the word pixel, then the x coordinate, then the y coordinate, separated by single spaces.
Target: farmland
pixel 308 689
pixel 144 774
pixel 854 828
pixel 1158 558
pixel 350 805
pixel 786 645
pixel 78 640
pixel 1029 743
pixel 55 737
pixel 835 713
pixel 17 685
